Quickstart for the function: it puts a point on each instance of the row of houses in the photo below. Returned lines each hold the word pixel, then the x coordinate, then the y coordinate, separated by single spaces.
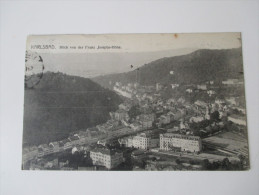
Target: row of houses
pixel 165 141
pixel 179 142
pixel 79 138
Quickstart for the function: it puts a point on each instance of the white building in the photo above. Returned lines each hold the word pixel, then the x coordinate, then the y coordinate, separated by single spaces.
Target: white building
pixel 202 87
pixel 122 92
pixel 237 120
pixel 171 141
pixel 145 141
pixel 189 90
pixel 174 85
pixel 106 157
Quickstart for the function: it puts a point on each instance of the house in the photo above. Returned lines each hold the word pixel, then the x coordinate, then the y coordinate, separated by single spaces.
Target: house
pixel 43 149
pixel 171 141
pixel 146 123
pixel 181 100
pixel 159 86
pixel 51 164
pixel 188 90
pixel 219 101
pixel 230 82
pixel 200 103
pixel 174 85
pixel 125 106
pixel 136 126
pixel 76 149
pixel 74 139
pixel 202 87
pixel 211 92
pixel 67 144
pixel 106 157
pixel 196 119
pixel 231 100
pixel 54 146
pixel 239 120
pixel 164 119
pixel 83 136
pixel 126 141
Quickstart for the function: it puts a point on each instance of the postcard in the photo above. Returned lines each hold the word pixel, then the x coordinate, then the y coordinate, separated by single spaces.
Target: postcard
pixel 135 102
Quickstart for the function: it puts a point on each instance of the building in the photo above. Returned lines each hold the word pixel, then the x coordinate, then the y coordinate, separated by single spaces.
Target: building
pixel 200 103
pixel 83 136
pixel 159 86
pixel 171 141
pixel 196 119
pixel 67 144
pixel 125 106
pixel 239 120
pixel 145 141
pixel 74 139
pixel 122 92
pixel 231 82
pixel 211 92
pixel 202 87
pixel 54 146
pixel 44 149
pixel 105 157
pixel 121 114
pixel 136 126
pixel 174 85
pixel 146 123
pixel 189 90
pixel 165 119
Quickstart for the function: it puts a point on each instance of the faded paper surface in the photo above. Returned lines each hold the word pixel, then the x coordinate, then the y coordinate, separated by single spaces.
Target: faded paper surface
pixel 135 102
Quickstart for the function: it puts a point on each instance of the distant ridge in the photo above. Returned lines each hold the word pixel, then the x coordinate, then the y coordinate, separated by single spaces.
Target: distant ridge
pixel 196 67
pixel 61 104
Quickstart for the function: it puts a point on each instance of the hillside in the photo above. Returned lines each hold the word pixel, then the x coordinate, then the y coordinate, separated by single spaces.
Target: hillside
pixel 61 104
pixel 197 67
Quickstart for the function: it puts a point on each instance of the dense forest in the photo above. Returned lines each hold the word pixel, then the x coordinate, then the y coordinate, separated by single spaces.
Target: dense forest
pixel 61 104
pixel 194 68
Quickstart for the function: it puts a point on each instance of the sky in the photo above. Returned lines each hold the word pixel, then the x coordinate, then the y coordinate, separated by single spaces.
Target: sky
pixel 131 49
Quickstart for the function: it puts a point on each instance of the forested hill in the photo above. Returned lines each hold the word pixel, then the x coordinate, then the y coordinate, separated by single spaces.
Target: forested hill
pixel 199 66
pixel 61 104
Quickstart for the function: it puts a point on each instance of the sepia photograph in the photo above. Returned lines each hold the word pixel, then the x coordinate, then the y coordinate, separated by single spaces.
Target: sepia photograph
pixel 135 102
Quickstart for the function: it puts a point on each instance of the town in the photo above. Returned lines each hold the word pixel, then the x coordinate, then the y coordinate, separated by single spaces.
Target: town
pixel 160 127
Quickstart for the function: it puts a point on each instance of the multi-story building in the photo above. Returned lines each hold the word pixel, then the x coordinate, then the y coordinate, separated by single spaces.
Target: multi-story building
pixel 145 141
pixel 106 157
pixel 171 141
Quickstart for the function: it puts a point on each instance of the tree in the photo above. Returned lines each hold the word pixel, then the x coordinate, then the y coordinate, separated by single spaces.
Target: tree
pixel 206 164
pixel 134 111
pixel 226 164
pixel 214 117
